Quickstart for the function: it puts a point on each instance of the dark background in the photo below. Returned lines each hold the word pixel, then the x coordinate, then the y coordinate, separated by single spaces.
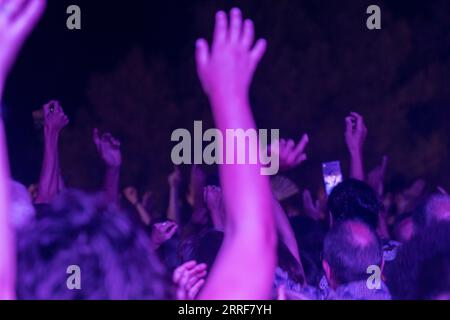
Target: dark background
pixel 131 70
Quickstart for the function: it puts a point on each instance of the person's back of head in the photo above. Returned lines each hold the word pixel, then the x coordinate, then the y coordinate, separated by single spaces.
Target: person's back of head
pixel 437 209
pixel 82 233
pixel 434 278
pixel 413 261
pixel 355 200
pixel 350 248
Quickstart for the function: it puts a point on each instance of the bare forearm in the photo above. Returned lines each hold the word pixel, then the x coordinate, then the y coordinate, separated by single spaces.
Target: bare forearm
pixel 244 188
pixel 173 211
pixel 356 165
pixel 111 183
pixel 285 231
pixel 7 256
pixel 217 219
pixel 50 175
pixel 250 232
pixel 143 214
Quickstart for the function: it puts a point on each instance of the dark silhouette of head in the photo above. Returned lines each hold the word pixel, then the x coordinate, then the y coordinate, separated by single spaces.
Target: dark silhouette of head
pixel 354 199
pixel 350 248
pixel 434 278
pixel 202 248
pixel 415 259
pixel 114 257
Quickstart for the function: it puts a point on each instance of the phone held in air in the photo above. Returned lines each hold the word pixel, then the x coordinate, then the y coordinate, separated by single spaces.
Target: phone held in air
pixel 332 175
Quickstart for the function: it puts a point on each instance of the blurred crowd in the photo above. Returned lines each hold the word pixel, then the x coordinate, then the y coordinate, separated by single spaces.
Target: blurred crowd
pixel 225 232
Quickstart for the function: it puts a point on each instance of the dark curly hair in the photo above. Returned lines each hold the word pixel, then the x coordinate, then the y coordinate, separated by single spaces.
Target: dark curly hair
pixel 114 256
pixel 354 199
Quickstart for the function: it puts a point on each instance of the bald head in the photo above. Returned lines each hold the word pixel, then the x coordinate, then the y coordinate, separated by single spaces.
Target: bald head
pixel 359 233
pixel 349 249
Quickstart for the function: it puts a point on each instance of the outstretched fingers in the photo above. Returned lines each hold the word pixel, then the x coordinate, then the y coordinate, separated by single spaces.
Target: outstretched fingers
pixel 299 151
pixel 25 20
pixel 235 25
pixel 258 52
pixel 220 29
pixel 248 34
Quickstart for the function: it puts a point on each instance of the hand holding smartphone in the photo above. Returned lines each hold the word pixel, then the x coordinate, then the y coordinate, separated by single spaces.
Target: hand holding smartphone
pixel 332 175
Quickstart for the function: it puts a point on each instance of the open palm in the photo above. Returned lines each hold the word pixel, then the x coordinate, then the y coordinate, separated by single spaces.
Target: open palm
pixel 17 19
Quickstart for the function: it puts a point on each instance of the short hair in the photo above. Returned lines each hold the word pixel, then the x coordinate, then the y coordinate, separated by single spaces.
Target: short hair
pixel 114 256
pixel 355 200
pixel 349 249
pixel 437 209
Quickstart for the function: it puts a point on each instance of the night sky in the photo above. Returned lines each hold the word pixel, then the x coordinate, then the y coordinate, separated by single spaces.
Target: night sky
pixel 58 63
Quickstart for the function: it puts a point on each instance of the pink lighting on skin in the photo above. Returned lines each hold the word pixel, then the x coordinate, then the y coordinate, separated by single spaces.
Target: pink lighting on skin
pixel 226 72
pixel 17 20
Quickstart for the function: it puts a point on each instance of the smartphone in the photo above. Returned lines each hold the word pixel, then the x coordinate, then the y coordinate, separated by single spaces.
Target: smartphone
pixel 332 175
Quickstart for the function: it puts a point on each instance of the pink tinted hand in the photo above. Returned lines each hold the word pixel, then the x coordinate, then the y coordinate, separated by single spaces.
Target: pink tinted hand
pixel 227 70
pixel 355 133
pixel 109 148
pixel 189 279
pixel 54 117
pixel 17 20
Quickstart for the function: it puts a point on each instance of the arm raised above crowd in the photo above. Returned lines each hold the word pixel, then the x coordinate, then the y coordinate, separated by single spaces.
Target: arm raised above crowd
pixel 226 72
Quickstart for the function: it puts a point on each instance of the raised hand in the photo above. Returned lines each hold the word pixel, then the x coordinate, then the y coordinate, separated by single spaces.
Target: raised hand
pixel 54 117
pixel 213 201
pixel 131 195
pixel 51 182
pixel 17 20
pixel 291 155
pixel 189 278
pixel 196 185
pixel 313 209
pixel 175 178
pixel 227 69
pixel 355 133
pixel 375 178
pixel 162 232
pixel 109 148
pixel 226 72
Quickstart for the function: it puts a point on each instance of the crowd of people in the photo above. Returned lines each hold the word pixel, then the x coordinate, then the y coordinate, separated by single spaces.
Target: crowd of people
pixel 231 234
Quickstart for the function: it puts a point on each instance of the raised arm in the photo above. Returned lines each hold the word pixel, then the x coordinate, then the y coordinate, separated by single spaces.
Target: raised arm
pixel 355 135
pixel 174 208
pixel 17 19
pixel 291 155
pixel 131 195
pixel 285 231
pixel 50 182
pixel 109 150
pixel 244 268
